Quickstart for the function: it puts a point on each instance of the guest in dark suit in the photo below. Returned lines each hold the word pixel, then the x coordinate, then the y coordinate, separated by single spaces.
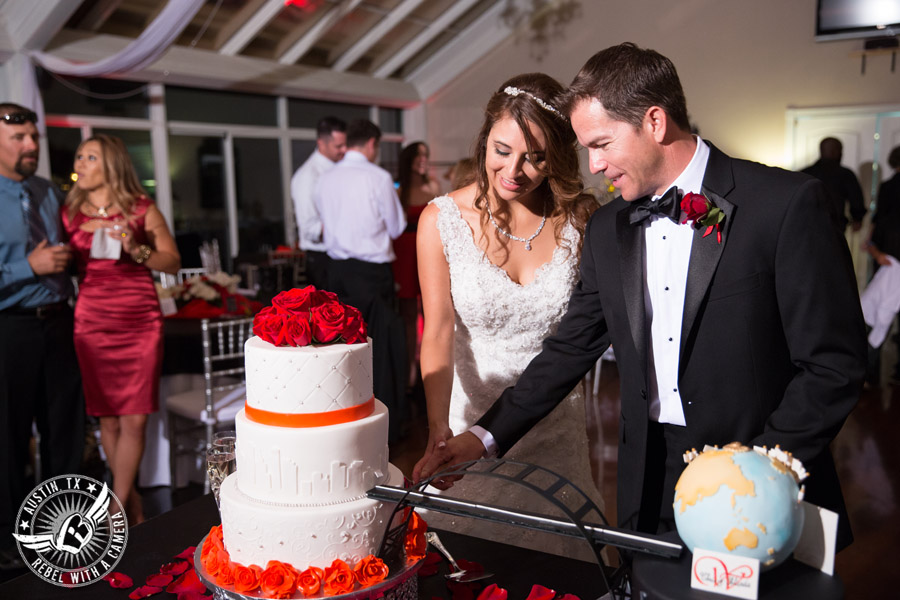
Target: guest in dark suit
pixel 886 221
pixel 840 183
pixel 748 331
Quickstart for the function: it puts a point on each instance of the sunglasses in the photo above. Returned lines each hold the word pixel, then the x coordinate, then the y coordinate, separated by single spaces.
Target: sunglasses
pixel 19 118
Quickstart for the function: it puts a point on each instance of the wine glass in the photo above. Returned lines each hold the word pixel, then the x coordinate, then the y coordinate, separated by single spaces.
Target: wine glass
pixel 219 465
pixel 224 440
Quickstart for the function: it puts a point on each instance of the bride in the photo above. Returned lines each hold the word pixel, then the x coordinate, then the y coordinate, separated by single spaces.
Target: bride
pixel 498 260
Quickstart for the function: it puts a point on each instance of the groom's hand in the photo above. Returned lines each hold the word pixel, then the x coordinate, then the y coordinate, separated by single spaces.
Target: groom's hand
pixel 462 448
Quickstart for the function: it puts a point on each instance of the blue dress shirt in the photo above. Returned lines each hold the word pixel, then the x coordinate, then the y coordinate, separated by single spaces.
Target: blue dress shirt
pixel 19 286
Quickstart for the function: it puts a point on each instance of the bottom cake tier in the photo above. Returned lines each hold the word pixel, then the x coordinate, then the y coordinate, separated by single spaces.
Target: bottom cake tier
pixel 256 532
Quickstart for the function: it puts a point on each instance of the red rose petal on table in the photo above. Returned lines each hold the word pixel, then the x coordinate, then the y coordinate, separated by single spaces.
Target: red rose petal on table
pixel 570 597
pixel 119 580
pixel 431 564
pixel 539 592
pixel 193 595
pixel 187 553
pixel 144 591
pixel 159 580
pixel 186 583
pixel 492 592
pixel 174 568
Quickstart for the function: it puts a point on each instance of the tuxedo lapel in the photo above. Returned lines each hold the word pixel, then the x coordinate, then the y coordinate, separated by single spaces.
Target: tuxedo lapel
pixel 706 251
pixel 631 266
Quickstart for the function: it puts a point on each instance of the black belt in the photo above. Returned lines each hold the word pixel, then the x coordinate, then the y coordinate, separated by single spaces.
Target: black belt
pixel 40 312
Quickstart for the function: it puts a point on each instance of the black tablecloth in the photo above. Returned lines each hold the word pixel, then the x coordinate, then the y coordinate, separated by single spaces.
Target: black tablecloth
pixel 668 579
pixel 156 541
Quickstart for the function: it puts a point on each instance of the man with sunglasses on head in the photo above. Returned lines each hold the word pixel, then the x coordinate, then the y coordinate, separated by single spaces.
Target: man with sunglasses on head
pixel 39 378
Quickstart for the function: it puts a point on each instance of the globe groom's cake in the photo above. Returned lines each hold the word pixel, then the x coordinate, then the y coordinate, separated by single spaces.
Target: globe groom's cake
pixel 310 441
pixel 740 501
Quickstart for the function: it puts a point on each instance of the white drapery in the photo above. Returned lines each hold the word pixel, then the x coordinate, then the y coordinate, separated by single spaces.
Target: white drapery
pixel 140 53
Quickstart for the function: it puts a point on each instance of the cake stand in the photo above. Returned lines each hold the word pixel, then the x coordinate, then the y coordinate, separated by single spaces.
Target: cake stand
pixel 401 584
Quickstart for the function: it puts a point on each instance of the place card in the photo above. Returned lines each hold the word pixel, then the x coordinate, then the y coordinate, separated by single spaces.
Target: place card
pixel 818 538
pixel 725 574
pixel 105 246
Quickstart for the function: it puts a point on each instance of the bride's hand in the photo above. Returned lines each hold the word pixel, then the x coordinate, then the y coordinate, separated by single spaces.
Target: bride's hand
pixel 437 441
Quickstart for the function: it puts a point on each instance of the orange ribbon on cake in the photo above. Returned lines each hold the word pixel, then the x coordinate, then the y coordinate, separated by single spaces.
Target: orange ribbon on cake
pixel 318 419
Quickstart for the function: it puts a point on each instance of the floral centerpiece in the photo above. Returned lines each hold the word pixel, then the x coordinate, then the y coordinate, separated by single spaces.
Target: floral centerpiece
pixel 208 296
pixel 305 316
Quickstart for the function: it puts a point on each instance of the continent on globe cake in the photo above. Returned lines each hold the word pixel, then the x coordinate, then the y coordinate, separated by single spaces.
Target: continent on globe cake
pixel 740 501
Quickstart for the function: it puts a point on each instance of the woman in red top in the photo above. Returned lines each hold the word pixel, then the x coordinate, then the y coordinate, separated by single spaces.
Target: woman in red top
pixel 118 323
pixel 417 189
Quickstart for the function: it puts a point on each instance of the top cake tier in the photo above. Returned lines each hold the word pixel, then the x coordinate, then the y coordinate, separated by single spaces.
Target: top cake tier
pixel 310 379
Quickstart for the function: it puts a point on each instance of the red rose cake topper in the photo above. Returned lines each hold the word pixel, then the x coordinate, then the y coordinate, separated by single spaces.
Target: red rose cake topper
pixel 699 209
pixel 304 316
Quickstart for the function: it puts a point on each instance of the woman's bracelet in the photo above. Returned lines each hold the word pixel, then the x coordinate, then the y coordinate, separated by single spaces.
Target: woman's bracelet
pixel 142 254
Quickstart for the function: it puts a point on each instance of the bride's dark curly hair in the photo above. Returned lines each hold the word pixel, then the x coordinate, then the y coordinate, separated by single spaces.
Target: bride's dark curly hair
pixel 562 189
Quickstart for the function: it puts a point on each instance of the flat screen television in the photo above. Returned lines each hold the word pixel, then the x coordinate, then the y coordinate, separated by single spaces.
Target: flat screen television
pixel 843 19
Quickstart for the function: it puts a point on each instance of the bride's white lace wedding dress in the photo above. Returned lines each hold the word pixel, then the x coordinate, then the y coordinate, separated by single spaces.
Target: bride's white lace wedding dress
pixel 500 325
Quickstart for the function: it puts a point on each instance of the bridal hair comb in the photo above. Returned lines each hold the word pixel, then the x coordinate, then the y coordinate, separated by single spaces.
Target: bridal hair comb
pixel 514 91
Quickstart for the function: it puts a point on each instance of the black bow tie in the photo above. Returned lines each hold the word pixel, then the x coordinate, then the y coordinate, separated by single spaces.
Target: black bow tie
pixel 668 205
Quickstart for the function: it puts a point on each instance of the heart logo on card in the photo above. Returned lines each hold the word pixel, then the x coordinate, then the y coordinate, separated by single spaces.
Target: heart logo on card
pixel 713 572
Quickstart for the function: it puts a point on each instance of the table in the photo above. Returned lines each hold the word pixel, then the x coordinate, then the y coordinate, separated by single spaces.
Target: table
pixel 157 540
pixel 664 579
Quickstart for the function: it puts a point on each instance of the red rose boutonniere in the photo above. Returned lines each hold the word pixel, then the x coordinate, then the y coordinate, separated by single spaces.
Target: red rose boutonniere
pixel 699 209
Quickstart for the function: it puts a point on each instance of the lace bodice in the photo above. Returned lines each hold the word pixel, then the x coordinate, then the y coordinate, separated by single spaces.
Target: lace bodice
pixel 500 324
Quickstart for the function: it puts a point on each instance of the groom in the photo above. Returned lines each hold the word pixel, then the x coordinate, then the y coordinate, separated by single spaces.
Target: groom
pixel 752 332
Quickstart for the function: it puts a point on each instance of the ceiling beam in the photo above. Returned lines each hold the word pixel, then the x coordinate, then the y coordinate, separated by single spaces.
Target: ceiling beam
pixel 302 46
pixel 372 36
pixel 244 26
pixel 31 25
pixel 434 29
pixel 193 67
pixel 98 14
pixel 472 44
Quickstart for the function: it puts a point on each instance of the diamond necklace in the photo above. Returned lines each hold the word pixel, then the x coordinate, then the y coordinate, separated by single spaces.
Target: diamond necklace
pixel 515 237
pixel 102 210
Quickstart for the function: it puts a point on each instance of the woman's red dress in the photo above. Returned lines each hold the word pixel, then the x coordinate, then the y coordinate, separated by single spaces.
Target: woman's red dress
pixel 118 323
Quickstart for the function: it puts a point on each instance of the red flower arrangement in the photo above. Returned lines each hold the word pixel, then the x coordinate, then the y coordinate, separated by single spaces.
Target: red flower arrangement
pixel 304 316
pixel 282 580
pixel 699 209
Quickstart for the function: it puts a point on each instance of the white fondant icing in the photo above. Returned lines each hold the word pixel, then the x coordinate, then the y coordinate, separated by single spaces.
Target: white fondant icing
pixel 256 532
pixel 308 379
pixel 312 465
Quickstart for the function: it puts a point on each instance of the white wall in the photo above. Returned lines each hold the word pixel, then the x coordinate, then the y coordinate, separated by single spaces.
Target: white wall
pixel 742 64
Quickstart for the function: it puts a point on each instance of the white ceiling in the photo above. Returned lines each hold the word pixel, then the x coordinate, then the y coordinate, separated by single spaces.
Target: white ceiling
pixel 391 52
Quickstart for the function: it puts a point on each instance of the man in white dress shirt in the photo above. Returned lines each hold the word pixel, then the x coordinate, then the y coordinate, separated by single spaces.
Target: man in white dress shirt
pixel 361 216
pixel 746 328
pixel 331 144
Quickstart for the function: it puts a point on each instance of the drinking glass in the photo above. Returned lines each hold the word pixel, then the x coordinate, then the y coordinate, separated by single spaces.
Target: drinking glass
pixel 219 465
pixel 225 440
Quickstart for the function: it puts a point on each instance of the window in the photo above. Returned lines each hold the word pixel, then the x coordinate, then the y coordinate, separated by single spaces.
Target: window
pixel 307 113
pixel 206 106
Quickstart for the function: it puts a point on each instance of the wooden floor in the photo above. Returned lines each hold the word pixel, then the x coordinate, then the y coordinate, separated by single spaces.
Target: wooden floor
pixel 869 470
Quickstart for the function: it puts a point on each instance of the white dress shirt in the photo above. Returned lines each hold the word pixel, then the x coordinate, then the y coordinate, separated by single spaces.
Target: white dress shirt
pixel 668 252
pixel 360 211
pixel 303 184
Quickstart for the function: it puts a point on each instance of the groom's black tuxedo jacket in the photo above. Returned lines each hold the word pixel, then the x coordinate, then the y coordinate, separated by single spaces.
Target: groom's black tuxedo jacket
pixel 773 342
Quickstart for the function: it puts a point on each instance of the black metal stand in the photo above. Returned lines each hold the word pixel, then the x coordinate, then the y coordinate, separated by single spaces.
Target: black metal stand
pixel 544 483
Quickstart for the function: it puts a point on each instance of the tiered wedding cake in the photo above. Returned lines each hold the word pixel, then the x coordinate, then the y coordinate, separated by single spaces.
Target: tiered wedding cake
pixel 310 441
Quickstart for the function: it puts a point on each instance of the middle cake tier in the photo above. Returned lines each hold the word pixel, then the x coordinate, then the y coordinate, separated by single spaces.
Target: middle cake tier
pixel 312 466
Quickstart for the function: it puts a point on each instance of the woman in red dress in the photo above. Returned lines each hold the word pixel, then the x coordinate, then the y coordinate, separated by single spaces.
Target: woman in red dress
pixel 416 191
pixel 118 323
